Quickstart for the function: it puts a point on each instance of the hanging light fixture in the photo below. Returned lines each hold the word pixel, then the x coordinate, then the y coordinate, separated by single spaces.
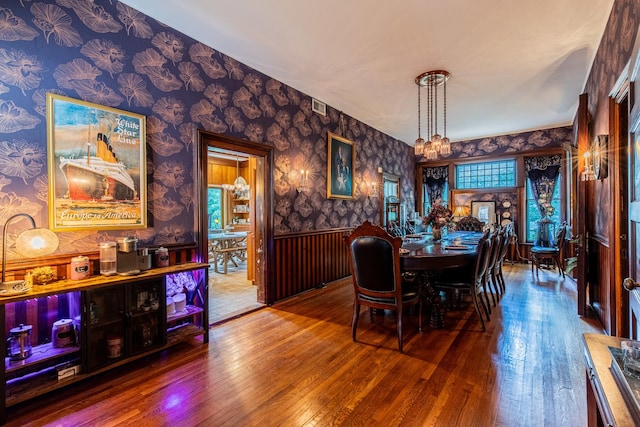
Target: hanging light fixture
pixel 419 147
pixel 239 186
pixel 436 144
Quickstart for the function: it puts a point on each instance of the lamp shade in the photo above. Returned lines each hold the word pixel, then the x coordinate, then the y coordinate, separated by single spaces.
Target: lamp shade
pixel 36 242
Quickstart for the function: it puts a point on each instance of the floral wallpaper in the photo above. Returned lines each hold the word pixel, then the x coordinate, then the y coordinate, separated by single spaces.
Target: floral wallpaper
pixel 613 54
pixel 108 53
pixel 505 144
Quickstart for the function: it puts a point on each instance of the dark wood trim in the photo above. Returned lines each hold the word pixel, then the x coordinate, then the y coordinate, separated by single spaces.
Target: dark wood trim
pixel 264 197
pixel 581 206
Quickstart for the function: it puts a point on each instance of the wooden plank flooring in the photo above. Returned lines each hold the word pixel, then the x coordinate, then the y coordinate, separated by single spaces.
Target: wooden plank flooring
pixel 294 364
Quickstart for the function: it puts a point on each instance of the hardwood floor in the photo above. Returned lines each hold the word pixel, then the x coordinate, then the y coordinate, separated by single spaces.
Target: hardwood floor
pixel 294 364
pixel 231 295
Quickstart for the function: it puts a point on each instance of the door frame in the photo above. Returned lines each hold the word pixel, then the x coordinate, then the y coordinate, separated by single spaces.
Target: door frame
pixel 210 139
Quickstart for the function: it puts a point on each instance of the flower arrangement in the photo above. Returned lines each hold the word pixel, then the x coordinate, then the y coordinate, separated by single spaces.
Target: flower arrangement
pixel 545 203
pixel 439 216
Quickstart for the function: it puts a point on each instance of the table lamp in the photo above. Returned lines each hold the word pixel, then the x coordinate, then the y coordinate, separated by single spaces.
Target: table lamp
pixel 31 243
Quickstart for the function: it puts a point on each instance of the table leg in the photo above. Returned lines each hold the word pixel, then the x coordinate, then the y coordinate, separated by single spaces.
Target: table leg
pixel 432 297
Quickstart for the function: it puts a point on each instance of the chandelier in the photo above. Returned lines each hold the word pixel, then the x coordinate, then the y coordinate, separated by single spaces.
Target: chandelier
pixel 239 186
pixel 436 144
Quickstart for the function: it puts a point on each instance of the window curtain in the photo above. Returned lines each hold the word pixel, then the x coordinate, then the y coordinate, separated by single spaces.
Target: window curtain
pixel 434 181
pixel 543 173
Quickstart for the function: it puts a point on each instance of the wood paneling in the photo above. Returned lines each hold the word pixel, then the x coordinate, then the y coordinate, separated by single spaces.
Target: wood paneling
pixel 305 261
pixel 601 294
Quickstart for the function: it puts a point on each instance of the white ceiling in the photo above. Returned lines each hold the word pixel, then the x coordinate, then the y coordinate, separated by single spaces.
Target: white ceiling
pixel 515 65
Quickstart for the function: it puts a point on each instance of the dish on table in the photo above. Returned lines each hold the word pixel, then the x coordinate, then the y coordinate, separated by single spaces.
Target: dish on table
pixel 414 236
pixel 457 247
pixel 404 251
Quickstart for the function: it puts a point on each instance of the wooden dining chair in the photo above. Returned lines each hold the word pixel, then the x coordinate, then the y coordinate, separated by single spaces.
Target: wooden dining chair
pixel 469 223
pixel 470 280
pixel 507 235
pixel 377 279
pixel 552 255
pixel 491 279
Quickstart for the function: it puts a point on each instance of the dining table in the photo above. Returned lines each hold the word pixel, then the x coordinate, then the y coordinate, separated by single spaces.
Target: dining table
pixel 225 247
pixel 425 258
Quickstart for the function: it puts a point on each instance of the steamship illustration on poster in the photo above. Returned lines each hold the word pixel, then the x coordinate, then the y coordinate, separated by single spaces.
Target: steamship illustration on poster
pixel 96 165
pixel 98 175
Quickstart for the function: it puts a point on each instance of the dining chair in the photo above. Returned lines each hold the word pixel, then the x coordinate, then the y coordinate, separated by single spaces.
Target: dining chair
pixel 552 255
pixel 469 223
pixel 491 278
pixel 470 280
pixel 377 279
pixel 395 230
pixel 507 234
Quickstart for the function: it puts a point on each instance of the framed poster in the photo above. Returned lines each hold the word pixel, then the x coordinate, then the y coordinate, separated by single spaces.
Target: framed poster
pixel 341 162
pixel 96 160
pixel 484 211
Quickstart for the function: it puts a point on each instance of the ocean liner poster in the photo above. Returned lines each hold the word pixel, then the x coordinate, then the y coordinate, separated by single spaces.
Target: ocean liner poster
pixel 96 166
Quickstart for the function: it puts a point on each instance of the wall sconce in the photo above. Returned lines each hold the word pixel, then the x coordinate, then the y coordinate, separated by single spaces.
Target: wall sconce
pixel 31 243
pixel 587 173
pixel 372 188
pixel 303 185
pixel 596 159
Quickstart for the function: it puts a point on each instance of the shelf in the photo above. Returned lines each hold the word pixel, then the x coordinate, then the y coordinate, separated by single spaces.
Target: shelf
pixel 42 353
pixel 189 310
pixel 182 333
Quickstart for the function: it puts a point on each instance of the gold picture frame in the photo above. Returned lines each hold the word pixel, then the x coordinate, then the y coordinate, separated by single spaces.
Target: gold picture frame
pixel 341 162
pixel 97 166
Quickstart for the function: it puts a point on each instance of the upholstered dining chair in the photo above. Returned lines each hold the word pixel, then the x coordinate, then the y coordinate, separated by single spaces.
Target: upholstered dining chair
pixel 507 234
pixel 470 280
pixel 374 257
pixel 469 223
pixel 491 274
pixel 554 254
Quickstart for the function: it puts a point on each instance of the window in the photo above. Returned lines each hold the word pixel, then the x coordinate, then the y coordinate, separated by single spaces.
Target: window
pixel 533 213
pixel 215 208
pixel 444 199
pixel 486 175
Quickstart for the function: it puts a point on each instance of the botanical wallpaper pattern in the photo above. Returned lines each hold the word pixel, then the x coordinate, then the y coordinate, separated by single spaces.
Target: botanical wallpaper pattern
pixel 613 54
pixel 108 53
pixel 105 52
pixel 506 144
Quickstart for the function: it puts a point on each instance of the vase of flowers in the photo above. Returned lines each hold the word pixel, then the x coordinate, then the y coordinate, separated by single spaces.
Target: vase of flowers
pixel 438 217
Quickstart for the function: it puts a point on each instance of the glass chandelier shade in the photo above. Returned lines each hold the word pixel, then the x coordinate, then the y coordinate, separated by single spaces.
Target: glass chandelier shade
pixel 239 185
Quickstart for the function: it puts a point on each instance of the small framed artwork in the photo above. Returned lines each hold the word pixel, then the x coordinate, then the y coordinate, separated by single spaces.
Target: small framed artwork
pixel 484 211
pixel 341 162
pixel 96 162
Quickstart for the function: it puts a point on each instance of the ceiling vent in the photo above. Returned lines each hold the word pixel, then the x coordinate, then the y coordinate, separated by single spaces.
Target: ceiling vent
pixel 319 107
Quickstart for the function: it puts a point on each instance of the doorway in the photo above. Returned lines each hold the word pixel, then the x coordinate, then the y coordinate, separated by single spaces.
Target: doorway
pixel 235 222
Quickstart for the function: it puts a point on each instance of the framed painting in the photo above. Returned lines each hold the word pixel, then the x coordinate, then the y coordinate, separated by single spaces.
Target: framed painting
pixel 484 211
pixel 341 162
pixel 96 160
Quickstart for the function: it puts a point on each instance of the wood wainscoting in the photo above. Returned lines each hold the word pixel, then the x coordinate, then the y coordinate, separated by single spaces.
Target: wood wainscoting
pixel 600 290
pixel 304 261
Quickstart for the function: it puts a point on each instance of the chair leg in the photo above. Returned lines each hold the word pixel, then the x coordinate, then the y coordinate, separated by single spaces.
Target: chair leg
pixel 399 327
pixel 354 321
pixel 474 297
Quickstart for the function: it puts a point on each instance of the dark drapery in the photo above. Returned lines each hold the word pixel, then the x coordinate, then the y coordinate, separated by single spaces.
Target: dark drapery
pixel 434 180
pixel 543 173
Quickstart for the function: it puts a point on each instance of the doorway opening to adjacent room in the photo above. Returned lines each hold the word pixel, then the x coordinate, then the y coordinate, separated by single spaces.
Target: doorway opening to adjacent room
pixel 234 225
